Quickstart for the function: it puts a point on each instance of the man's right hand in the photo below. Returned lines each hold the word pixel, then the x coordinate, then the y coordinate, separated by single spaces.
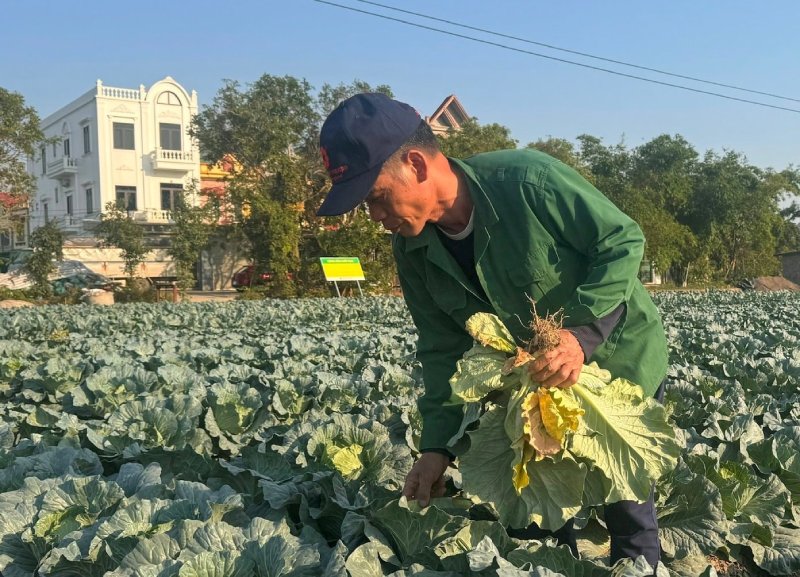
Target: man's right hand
pixel 426 478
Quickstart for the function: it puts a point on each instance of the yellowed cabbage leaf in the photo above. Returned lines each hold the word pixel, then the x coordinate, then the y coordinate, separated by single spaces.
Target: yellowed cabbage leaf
pixel 521 478
pixel 560 411
pixel 537 435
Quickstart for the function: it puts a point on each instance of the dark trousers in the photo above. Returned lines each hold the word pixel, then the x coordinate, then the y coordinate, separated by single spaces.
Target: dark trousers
pixel 633 527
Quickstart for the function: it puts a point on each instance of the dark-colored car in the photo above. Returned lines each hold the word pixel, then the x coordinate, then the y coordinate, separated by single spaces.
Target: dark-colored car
pixel 244 278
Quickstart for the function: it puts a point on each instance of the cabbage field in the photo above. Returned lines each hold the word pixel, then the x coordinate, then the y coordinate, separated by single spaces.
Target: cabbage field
pixel 272 438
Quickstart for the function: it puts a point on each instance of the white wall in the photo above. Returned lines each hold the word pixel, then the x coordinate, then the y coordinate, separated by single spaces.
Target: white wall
pixel 104 167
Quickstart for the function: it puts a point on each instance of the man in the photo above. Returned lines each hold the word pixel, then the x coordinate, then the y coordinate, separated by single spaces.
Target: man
pixel 485 234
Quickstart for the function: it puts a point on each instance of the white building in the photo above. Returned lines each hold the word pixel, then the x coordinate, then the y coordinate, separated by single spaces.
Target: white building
pixel 128 146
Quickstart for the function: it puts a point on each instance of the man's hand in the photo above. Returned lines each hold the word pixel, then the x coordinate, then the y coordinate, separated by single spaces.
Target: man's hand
pixel 560 367
pixel 426 478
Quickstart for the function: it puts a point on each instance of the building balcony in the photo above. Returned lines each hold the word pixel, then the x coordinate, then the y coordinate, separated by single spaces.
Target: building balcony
pixel 181 160
pixel 151 216
pixel 62 167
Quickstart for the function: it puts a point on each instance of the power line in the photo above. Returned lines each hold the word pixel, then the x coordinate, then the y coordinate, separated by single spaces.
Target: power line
pixel 565 61
pixel 585 54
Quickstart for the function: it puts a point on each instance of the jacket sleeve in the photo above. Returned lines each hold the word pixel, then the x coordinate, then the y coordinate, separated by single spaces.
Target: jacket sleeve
pixel 581 217
pixel 441 343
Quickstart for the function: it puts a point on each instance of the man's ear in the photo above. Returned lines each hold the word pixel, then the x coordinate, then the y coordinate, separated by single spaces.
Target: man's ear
pixel 418 164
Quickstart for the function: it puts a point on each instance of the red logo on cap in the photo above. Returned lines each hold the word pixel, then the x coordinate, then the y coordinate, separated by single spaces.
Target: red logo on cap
pixel 325 160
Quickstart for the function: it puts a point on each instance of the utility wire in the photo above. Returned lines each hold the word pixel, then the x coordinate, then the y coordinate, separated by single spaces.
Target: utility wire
pixel 531 53
pixel 587 55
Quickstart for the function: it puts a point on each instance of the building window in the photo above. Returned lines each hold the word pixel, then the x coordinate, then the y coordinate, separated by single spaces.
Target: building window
pixel 169 98
pixel 46 213
pixel 66 147
pixel 54 150
pixel 18 233
pixel 171 196
pixel 44 159
pixel 69 204
pixel 55 193
pixel 89 201
pixel 170 136
pixel 87 140
pixel 123 135
pixel 126 197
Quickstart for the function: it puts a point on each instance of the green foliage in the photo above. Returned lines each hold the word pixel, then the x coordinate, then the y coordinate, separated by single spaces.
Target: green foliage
pixel 269 128
pixel 20 135
pixel 272 438
pixel 709 219
pixel 136 290
pixel 117 229
pixel 473 138
pixel 361 237
pixel 192 230
pixel 47 243
pixel 330 96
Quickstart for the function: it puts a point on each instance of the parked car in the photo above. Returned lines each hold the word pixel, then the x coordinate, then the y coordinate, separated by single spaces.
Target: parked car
pixel 244 278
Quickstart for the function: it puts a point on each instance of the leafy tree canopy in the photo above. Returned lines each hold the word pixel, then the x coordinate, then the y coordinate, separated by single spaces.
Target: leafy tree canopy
pixel 473 138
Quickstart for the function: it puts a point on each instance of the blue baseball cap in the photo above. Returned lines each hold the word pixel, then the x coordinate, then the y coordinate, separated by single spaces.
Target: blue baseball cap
pixel 355 140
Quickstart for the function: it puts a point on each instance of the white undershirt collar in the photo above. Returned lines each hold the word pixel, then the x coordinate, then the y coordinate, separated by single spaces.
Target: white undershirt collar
pixel 464 233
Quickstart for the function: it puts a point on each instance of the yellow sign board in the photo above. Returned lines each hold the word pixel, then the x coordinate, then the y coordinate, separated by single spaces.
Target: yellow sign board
pixel 341 268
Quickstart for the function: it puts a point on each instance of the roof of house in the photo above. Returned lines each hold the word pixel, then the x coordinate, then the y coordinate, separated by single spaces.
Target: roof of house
pixel 450 115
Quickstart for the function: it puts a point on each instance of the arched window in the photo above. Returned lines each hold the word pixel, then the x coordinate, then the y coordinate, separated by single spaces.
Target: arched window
pixel 167 97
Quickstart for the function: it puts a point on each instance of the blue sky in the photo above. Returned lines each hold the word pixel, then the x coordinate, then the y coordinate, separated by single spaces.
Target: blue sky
pixel 54 51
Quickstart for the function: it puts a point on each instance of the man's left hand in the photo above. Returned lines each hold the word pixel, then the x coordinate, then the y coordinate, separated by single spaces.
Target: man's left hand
pixel 560 367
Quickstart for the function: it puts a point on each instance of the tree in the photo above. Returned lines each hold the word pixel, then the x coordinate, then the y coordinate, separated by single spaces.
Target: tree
pixel 19 136
pixel 191 232
pixel 270 128
pixel 734 211
pixel 47 243
pixel 329 96
pixel 661 175
pixel 564 151
pixel 473 138
pixel 365 239
pixel 117 229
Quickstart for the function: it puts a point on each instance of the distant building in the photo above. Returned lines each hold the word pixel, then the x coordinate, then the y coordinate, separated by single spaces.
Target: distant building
pixel 14 226
pixel 214 179
pixel 120 145
pixel 449 116
pixel 790 262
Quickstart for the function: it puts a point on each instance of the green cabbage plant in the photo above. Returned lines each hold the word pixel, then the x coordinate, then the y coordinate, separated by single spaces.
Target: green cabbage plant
pixel 541 454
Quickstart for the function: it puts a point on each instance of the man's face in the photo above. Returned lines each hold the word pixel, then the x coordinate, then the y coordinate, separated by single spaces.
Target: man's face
pixel 398 201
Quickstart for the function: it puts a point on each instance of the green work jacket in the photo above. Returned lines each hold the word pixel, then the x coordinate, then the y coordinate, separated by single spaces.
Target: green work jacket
pixel 541 231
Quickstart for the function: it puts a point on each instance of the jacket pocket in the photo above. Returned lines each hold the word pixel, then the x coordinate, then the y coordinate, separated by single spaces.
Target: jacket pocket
pixel 534 276
pixel 446 291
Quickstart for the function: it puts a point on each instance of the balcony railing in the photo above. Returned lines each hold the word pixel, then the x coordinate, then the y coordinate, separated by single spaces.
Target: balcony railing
pixel 124 93
pixel 151 215
pixel 62 166
pixel 164 159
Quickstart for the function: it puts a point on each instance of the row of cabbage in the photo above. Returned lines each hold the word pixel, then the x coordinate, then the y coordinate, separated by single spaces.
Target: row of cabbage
pixel 272 438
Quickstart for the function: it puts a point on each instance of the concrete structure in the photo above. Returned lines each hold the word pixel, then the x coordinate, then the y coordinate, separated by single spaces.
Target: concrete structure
pixel 450 115
pixel 225 254
pixel 121 145
pixel 790 261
